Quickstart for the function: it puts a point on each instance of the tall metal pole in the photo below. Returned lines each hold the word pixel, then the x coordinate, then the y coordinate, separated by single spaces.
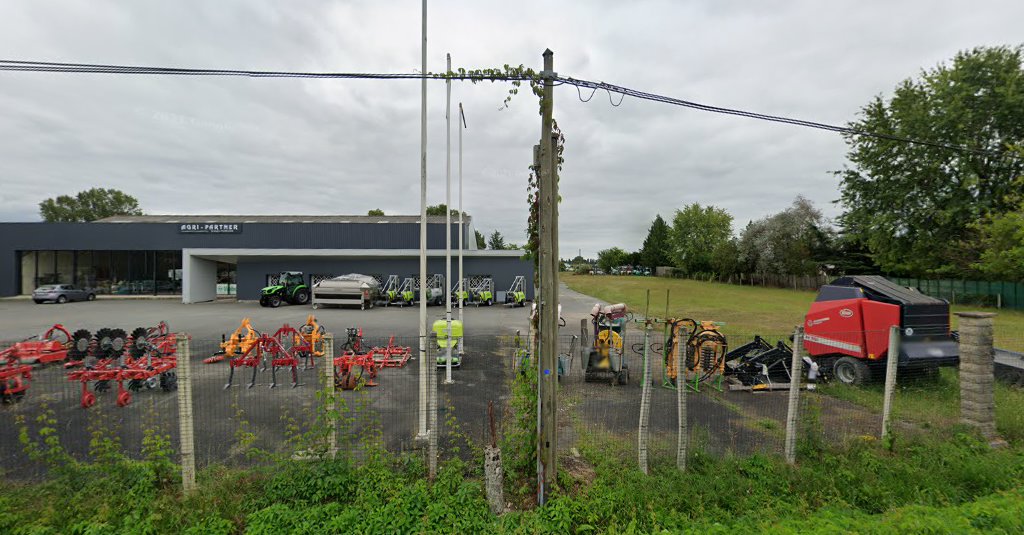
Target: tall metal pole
pixel 462 276
pixel 423 234
pixel 448 225
pixel 548 299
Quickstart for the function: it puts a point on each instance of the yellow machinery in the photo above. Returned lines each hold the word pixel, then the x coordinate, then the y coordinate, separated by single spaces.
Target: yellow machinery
pixel 606 360
pixel 310 340
pixel 704 358
pixel 240 341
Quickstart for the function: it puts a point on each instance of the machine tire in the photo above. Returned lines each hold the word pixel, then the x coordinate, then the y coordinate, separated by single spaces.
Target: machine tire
pixel 300 297
pixel 273 301
pixel 851 371
pixel 623 376
pixel 61 299
pixel 489 302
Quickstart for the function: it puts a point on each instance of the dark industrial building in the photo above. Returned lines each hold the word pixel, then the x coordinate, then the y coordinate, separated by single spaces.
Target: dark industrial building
pixel 201 257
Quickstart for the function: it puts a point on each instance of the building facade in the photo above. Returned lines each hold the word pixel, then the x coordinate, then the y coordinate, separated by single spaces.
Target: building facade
pixel 200 257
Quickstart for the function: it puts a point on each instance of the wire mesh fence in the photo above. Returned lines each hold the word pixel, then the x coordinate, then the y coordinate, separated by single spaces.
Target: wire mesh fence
pixel 367 398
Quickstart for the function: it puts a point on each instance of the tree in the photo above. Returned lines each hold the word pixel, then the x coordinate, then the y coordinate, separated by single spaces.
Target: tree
pixel 496 241
pixel 914 206
pixel 696 232
pixel 725 258
pixel 1002 240
pixel 657 246
pixel 481 242
pixel 88 205
pixel 609 258
pixel 438 209
pixel 376 212
pixel 795 241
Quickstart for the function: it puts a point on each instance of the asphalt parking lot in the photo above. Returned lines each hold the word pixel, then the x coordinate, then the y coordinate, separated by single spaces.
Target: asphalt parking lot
pixel 22 318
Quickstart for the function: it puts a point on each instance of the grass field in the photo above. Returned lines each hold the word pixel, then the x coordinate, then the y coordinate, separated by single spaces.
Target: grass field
pixel 774 313
pixel 745 310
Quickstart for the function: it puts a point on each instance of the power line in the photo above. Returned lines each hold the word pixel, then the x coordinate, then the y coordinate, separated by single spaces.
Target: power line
pixel 94 68
pixel 625 91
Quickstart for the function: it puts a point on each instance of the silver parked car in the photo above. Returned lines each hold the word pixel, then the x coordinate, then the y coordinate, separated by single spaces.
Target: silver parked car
pixel 61 293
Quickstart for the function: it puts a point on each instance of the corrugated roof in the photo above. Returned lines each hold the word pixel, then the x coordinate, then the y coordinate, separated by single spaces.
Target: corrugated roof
pixel 276 219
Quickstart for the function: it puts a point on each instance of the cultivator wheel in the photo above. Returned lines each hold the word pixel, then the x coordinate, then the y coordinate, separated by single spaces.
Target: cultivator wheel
pixel 168 381
pixel 139 339
pixel 136 385
pixel 116 344
pixel 79 345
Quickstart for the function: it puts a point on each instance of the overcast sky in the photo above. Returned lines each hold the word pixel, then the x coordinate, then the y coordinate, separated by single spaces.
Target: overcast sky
pixel 290 146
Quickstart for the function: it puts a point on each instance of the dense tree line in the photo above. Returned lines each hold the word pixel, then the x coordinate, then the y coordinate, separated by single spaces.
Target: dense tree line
pixel 952 206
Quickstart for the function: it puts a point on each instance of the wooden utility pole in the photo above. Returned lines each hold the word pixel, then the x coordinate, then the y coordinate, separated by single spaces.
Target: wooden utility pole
pixel 547 216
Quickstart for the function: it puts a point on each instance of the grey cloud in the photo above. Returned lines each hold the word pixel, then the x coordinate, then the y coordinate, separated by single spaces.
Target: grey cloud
pixel 216 145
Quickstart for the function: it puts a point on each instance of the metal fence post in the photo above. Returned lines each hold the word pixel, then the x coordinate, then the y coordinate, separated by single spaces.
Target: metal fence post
pixel 890 377
pixel 432 425
pixel 792 414
pixel 186 426
pixel 329 396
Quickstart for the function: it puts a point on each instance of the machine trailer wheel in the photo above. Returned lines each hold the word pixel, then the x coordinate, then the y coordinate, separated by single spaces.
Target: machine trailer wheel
pixel 851 371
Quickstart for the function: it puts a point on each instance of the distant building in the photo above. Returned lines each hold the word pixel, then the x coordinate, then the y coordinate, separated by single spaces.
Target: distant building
pixel 201 256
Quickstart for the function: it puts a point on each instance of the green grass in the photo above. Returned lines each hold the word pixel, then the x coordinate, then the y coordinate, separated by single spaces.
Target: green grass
pixel 774 313
pixel 930 484
pixel 746 310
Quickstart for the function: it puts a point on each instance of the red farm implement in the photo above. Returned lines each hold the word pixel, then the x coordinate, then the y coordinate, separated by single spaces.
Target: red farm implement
pixel 14 379
pixel 53 345
pixel 354 366
pixel 145 363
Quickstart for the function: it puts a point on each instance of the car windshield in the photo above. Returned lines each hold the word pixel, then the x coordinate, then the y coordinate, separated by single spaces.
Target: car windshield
pixel 46 288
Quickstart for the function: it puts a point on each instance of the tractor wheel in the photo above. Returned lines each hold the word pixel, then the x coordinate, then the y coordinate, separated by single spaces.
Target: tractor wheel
pixel 263 300
pixel 273 301
pixel 851 371
pixel 79 345
pixel 301 296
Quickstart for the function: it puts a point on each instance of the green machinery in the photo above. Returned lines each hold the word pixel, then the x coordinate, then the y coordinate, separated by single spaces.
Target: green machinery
pixel 389 294
pixel 440 329
pixel 465 292
pixel 516 294
pixel 291 288
pixel 482 293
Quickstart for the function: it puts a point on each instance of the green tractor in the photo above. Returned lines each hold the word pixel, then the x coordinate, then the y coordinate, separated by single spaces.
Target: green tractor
pixel 291 288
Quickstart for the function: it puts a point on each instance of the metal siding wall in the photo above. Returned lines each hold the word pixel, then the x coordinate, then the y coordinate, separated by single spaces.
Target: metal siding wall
pixel 165 236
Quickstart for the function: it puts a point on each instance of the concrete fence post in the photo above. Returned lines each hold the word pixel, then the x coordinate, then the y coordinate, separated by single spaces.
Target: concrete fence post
pixel 793 412
pixel 329 396
pixel 890 377
pixel 977 374
pixel 683 440
pixel 186 425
